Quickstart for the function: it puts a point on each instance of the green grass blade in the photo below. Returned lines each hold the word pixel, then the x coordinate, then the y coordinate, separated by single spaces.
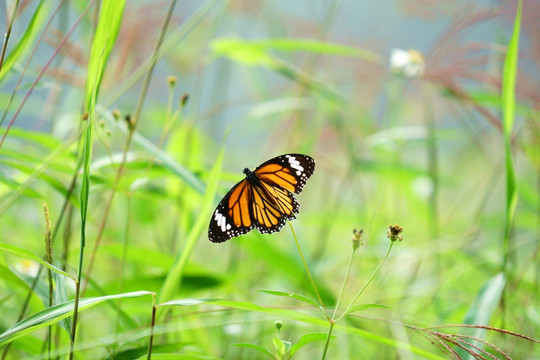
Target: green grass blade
pixel 509 104
pixel 174 277
pixel 251 52
pixel 292 295
pixel 17 251
pixel 56 313
pixel 110 18
pixel 27 39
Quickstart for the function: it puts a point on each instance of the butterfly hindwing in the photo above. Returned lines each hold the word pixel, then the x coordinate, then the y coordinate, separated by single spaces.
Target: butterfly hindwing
pixel 272 206
pixel 232 216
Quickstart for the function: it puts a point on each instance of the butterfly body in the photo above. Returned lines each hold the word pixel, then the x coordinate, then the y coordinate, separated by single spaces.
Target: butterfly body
pixel 264 199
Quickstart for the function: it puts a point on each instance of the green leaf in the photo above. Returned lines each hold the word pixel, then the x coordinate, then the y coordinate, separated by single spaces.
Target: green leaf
pixel 185 302
pixel 28 255
pixel 292 295
pixel 256 347
pixel 56 313
pixel 110 18
pixel 280 347
pixel 308 339
pixel 486 301
pixel 35 137
pixel 509 104
pixel 60 297
pixel 483 308
pixel 255 52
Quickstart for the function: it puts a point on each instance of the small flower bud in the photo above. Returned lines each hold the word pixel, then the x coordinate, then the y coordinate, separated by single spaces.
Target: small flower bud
pixel 116 113
pixel 101 123
pixel 278 324
pixel 357 238
pixel 172 80
pixel 394 232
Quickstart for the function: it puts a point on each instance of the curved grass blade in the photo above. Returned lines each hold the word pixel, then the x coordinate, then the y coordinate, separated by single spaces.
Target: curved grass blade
pixel 509 105
pixel 56 313
pixel 308 339
pixel 294 296
pixel 17 251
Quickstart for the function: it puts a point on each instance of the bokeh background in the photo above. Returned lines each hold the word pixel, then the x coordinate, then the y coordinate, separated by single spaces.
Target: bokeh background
pixel 400 104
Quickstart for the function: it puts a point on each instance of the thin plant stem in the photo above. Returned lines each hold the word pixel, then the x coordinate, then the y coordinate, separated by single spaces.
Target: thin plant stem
pixel 76 306
pixel 152 325
pixel 48 258
pixel 366 284
pixel 307 268
pixel 328 337
pixel 8 33
pixel 343 285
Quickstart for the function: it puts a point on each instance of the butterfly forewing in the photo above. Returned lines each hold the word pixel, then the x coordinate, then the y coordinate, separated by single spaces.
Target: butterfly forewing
pixel 289 171
pixel 264 199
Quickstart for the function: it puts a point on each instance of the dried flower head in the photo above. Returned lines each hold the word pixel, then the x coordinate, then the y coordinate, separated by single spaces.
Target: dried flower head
pixel 394 232
pixel 130 121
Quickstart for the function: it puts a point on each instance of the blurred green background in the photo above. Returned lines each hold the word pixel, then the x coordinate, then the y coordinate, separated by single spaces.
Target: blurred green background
pixel 406 107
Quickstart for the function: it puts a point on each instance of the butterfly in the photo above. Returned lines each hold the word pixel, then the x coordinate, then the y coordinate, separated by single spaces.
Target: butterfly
pixel 263 200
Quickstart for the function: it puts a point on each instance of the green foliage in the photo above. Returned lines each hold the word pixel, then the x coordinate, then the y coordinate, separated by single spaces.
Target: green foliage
pixel 231 85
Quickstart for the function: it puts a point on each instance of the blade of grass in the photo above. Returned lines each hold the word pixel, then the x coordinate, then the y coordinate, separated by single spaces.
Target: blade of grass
pixel 105 36
pixel 132 125
pixel 509 104
pixel 56 313
pixel 28 255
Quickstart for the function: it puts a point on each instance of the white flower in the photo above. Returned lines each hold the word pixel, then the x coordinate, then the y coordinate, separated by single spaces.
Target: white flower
pixel 27 267
pixel 409 63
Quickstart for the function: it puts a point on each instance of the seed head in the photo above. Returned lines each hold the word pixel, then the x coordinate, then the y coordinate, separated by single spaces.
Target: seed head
pixel 357 238
pixel 394 232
